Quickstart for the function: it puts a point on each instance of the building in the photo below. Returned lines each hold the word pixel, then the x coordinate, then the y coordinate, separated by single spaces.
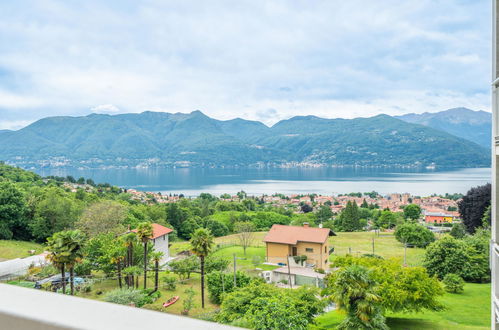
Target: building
pixel 439 217
pixel 159 240
pixel 283 243
pixel 494 257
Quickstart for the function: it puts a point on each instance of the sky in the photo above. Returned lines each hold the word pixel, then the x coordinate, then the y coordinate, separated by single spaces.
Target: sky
pixel 257 59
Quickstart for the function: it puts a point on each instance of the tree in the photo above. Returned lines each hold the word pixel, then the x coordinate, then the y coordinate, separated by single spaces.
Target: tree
pixel 201 245
pixel 65 249
pixel 55 212
pixel 349 218
pixel 324 213
pixel 458 230
pixel 245 234
pixel 184 267
pixel 13 220
pixel 220 283
pixel 117 257
pixel 129 240
pixel 74 241
pixel 401 289
pixel 412 212
pixel 453 283
pixel 144 233
pixel 156 257
pixel 414 235
pixel 275 313
pixel 354 291
pixel 188 303
pixel 103 217
pixel 215 263
pixel 387 219
pixel 447 255
pixel 473 206
pixel 305 208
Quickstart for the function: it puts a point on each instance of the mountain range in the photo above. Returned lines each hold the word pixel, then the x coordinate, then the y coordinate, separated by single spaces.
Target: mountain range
pixel 475 126
pixel 194 139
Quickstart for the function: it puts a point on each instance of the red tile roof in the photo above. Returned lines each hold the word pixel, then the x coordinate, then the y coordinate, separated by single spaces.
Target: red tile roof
pixel 158 230
pixel 293 234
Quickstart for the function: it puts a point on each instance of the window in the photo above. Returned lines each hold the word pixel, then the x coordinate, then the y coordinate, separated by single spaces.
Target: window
pixel 325 249
pixel 309 250
pixel 325 261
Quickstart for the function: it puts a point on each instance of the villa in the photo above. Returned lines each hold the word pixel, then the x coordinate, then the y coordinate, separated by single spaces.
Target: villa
pixel 159 240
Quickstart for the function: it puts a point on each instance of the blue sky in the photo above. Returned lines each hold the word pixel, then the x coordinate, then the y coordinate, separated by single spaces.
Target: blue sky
pixel 261 60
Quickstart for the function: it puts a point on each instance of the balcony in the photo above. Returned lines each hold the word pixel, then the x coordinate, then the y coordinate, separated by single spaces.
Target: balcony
pixel 22 308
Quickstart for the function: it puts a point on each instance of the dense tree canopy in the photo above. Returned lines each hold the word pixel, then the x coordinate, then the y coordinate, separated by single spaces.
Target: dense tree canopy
pixel 473 206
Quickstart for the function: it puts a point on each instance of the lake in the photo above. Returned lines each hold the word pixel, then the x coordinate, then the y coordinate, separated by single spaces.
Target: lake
pixel 326 181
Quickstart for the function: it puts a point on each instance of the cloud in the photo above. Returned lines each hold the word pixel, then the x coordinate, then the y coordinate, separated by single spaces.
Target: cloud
pixel 105 108
pixel 327 58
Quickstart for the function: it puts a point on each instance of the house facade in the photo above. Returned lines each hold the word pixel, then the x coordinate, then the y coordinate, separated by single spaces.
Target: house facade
pixel 159 240
pixel 439 217
pixel 288 244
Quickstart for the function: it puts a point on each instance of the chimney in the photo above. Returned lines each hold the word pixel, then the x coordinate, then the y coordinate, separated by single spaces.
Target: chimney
pixel 305 224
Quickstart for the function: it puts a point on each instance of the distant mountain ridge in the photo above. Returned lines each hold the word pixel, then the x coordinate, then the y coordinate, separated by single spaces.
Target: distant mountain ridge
pixel 194 139
pixel 475 126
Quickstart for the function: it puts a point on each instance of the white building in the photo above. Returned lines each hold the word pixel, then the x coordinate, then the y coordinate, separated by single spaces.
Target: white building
pixel 159 240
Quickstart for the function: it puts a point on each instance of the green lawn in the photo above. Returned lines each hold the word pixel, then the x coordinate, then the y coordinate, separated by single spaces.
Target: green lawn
pixel 469 310
pixel 17 249
pixel 106 285
pixel 385 245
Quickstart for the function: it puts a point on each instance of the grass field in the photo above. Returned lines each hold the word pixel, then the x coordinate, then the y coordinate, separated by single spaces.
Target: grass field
pixel 107 285
pixel 469 310
pixel 385 245
pixel 17 249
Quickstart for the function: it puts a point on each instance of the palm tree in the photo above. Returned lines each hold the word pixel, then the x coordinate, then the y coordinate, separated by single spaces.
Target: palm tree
pixel 144 232
pixel 128 241
pixel 75 239
pixel 201 245
pixel 58 255
pixel 117 257
pixel 354 292
pixel 66 248
pixel 156 257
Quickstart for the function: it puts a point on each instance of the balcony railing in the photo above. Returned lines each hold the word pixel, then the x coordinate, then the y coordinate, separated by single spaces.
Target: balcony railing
pixel 22 308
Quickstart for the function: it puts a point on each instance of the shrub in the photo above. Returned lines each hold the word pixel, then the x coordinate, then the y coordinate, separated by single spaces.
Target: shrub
pixel 188 302
pixel 458 230
pixel 453 283
pixel 125 297
pixel 414 235
pixel 169 282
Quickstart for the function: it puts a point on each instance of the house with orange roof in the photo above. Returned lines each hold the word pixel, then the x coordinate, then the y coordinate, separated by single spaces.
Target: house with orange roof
pixel 286 244
pixel 159 240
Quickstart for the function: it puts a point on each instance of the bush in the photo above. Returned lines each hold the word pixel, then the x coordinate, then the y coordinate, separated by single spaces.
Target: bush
pixel 124 296
pixel 414 235
pixel 453 283
pixel 83 268
pixel 458 230
pixel 169 282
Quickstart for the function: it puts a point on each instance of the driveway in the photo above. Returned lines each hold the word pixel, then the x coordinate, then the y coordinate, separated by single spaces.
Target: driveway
pixel 17 267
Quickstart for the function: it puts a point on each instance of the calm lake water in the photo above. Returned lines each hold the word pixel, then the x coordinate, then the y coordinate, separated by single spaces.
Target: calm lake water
pixel 327 181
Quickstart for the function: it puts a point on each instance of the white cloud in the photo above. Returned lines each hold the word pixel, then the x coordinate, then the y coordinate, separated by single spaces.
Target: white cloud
pixel 327 58
pixel 105 108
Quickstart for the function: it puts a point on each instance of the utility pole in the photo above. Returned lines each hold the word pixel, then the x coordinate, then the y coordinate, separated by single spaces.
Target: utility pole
pixel 223 281
pixel 289 274
pixel 235 282
pixel 373 245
